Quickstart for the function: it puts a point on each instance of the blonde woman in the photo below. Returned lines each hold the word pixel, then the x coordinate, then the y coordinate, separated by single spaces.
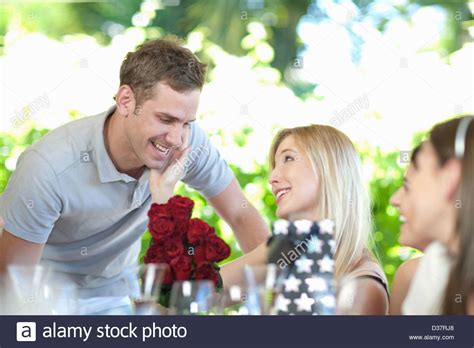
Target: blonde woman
pixel 316 174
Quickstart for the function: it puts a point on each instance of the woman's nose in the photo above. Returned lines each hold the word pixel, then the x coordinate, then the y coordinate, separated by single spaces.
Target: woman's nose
pixel 273 178
pixel 395 199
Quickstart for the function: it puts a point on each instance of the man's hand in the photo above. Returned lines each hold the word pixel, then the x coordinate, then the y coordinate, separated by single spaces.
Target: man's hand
pixel 163 181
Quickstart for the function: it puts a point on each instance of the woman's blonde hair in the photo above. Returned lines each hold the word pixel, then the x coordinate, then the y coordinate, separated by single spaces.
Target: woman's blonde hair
pixel 342 196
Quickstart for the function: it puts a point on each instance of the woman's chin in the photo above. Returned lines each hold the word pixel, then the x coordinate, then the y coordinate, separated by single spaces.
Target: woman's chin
pixel 281 214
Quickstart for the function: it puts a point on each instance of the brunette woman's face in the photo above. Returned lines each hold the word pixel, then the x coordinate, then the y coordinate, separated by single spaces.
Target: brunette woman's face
pixel 294 182
pixel 399 199
pixel 428 202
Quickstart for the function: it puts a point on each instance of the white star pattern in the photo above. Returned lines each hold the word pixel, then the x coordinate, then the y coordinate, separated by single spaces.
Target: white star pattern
pixel 304 303
pixel 326 226
pixel 316 284
pixel 303 226
pixel 292 284
pixel 307 289
pixel 326 264
pixel 282 303
pixel 315 245
pixel 281 227
pixel 304 264
pixel 332 245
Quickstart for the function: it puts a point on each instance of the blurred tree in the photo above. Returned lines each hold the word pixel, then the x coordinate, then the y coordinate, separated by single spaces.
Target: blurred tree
pixel 225 21
pixel 236 26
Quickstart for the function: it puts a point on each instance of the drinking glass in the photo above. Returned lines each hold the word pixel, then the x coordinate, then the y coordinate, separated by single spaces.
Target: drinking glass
pixel 196 297
pixel 150 279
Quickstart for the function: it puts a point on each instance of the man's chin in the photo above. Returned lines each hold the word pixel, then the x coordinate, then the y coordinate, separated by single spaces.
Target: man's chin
pixel 155 165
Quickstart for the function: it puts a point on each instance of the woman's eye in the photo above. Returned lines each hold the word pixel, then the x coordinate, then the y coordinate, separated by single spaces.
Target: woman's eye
pixel 288 158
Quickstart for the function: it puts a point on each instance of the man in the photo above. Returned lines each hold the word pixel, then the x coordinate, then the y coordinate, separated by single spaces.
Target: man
pixel 79 197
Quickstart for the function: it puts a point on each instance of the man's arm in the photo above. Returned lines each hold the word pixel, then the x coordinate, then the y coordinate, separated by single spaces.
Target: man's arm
pixel 247 224
pixel 16 250
pixel 30 205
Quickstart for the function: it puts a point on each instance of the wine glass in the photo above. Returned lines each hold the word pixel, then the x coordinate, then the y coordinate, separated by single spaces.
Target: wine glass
pixel 37 289
pixel 232 301
pixel 150 279
pixel 192 297
pixel 264 284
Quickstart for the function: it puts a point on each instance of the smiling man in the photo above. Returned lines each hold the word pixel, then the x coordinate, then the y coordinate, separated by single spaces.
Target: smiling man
pixel 79 197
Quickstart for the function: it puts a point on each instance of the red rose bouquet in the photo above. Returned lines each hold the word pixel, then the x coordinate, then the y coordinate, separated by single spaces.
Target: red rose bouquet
pixel 190 247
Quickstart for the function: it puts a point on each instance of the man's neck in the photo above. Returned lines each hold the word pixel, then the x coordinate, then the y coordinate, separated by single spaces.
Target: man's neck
pixel 119 149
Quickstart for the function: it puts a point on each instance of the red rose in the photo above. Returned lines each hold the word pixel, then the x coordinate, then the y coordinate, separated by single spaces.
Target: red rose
pixel 205 271
pixel 159 210
pixel 198 230
pixel 168 278
pixel 161 224
pixel 181 229
pixel 200 253
pixel 173 247
pixel 182 267
pixel 155 254
pixel 161 228
pixel 181 207
pixel 216 249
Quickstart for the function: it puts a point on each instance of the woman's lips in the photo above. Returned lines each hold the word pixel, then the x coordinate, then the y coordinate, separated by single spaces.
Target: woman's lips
pixel 402 219
pixel 281 194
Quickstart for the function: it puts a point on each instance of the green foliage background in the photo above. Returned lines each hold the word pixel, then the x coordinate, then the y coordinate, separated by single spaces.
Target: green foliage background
pixel 387 177
pixel 221 23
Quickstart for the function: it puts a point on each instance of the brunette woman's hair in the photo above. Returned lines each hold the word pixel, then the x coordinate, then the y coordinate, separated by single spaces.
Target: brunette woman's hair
pixel 443 137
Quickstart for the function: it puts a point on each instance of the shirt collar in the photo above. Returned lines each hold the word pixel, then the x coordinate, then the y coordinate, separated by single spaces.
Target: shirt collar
pixel 105 166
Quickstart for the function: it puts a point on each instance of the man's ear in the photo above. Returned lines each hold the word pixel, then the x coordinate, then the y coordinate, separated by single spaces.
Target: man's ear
pixel 125 100
pixel 451 178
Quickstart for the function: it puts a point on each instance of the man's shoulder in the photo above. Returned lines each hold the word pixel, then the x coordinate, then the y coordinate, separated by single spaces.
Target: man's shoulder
pixel 63 146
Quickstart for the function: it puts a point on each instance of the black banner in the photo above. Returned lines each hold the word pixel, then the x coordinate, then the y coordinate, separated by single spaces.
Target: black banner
pixel 236 331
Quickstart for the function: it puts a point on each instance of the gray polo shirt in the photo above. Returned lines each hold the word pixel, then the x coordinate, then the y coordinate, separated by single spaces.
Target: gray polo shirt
pixel 66 193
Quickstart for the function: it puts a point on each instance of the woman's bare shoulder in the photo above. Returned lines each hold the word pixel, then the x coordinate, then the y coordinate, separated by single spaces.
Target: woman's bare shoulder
pixel 401 284
pixel 406 270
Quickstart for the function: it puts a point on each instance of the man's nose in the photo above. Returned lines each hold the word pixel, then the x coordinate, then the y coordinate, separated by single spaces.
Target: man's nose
pixel 174 136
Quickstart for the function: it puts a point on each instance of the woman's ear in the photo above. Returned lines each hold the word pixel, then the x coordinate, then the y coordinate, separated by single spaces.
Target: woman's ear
pixel 451 178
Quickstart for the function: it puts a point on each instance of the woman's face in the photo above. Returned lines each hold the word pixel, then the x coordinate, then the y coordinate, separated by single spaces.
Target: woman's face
pixel 399 199
pixel 426 205
pixel 294 183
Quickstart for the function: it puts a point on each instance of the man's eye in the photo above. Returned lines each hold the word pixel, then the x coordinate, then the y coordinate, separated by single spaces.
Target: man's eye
pixel 288 158
pixel 166 121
